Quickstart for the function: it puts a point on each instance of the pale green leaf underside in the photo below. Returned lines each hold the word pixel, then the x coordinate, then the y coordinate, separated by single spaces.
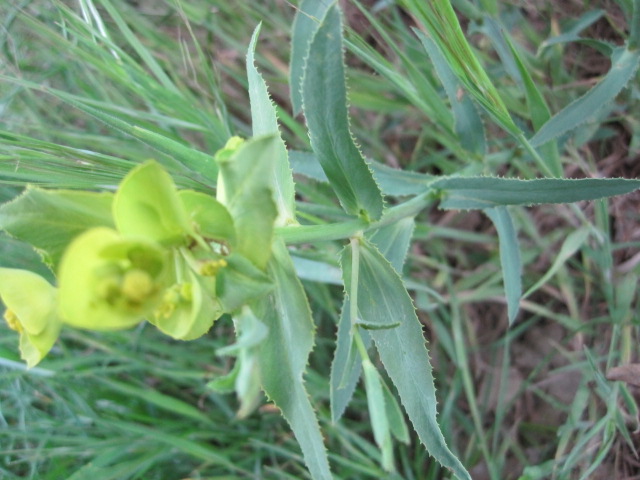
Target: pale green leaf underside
pixel 465 193
pixel 624 66
pixel 509 258
pixel 325 108
pixel 264 121
pixel 283 357
pixel 383 299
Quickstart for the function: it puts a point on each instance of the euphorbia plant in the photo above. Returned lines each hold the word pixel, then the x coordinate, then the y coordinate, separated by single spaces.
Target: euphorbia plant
pixel 181 258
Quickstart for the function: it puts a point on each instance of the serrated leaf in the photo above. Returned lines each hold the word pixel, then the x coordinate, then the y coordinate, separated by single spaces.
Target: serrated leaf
pixel 509 258
pixel 244 188
pixel 264 121
pixel 468 123
pixel 623 69
pixel 382 299
pixel 325 108
pixel 50 219
pixel 393 241
pixel 465 193
pixel 283 358
pixel 305 24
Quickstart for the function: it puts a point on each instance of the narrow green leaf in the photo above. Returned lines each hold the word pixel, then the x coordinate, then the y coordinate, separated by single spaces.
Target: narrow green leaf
pixel 244 187
pixel 570 246
pixel 468 123
pixel 397 424
pixel 283 357
pixel 160 400
pixel 538 110
pixel 623 68
pixel 383 299
pixel 50 219
pixel 346 365
pixel 264 120
pixel 378 413
pixel 325 108
pixel 485 192
pixel 509 258
pixel 443 26
pixel 308 17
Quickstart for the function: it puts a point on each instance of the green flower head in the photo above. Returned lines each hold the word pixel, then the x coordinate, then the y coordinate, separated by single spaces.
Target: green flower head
pixel 189 308
pixel 109 282
pixel 31 310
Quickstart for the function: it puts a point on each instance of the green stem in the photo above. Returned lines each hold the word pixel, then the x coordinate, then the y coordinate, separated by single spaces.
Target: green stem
pixel 337 231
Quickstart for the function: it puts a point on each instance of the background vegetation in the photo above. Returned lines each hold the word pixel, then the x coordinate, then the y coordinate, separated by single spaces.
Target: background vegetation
pixel 531 401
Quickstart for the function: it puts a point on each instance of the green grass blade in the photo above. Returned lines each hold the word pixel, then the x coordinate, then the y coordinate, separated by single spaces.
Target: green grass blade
pixel 284 355
pixel 574 241
pixel 468 123
pixel 538 111
pixel 264 120
pixel 485 192
pixel 509 258
pixel 383 299
pixel 325 108
pixel 305 24
pixel 623 68
pixel 443 26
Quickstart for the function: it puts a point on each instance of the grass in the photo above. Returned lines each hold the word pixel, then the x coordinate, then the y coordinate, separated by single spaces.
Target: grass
pixel 529 401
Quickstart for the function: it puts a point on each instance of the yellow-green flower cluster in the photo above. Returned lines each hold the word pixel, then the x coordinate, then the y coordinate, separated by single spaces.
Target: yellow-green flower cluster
pixel 170 260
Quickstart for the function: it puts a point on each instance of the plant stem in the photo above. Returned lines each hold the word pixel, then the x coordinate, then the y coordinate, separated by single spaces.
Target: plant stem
pixel 336 231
